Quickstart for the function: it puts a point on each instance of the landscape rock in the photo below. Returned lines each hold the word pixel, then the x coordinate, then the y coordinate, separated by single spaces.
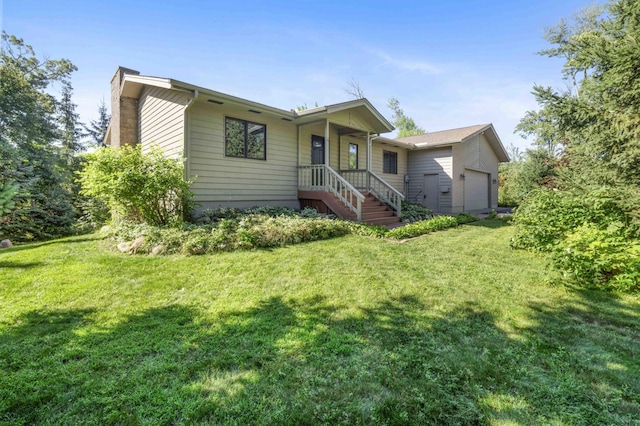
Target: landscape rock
pixel 5 244
pixel 136 244
pixel 123 247
pixel 105 229
pixel 159 249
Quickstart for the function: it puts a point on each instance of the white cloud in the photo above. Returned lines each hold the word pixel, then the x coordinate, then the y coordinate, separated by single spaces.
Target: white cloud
pixel 406 64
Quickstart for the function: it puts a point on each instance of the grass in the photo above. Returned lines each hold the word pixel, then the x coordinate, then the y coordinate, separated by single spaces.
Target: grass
pixel 449 328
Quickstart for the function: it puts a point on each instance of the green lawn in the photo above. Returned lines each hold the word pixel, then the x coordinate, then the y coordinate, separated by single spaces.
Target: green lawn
pixel 450 328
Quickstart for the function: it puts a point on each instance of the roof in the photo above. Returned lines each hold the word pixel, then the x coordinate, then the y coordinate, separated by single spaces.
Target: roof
pixel 132 87
pixel 459 135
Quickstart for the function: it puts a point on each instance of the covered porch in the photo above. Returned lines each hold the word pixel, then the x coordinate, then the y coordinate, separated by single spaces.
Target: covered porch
pixel 335 156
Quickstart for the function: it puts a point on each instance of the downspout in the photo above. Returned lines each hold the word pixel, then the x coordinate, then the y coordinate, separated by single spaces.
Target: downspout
pixel 187 134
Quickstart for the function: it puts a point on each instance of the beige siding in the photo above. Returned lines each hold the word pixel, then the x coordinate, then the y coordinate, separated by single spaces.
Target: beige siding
pixel 395 180
pixel 161 113
pixel 433 161
pixel 305 141
pixel 351 119
pixel 239 182
pixel 489 163
pixel 475 154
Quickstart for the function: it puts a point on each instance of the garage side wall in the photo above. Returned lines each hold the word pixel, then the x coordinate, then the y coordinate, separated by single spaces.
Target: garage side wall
pixel 432 161
pixel 489 162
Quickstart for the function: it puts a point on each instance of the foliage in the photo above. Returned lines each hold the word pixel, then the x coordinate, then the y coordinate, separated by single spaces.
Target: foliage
pixel 8 190
pixel 597 126
pixel 138 187
pixel 97 129
pixel 517 179
pixel 422 227
pixel 413 212
pixel 37 142
pixel 440 330
pixel 463 218
pixel 405 125
pixel 243 232
pixel 589 236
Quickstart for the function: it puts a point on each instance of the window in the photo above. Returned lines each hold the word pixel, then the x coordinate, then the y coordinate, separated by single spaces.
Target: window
pixel 390 162
pixel 245 139
pixel 353 156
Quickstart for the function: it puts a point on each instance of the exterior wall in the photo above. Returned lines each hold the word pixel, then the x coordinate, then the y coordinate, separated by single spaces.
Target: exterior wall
pixel 240 182
pixel 344 152
pixel 476 154
pixel 431 161
pixel 349 118
pixel 161 113
pixel 306 132
pixel 489 162
pixel 395 180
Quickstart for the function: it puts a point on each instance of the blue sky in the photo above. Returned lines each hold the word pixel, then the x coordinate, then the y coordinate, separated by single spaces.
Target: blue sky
pixel 449 63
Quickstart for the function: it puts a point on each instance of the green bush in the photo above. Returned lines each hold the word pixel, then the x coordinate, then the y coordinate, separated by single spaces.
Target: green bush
pixel 590 236
pixel 604 258
pixel 250 231
pixel 413 212
pixel 138 187
pixel 423 227
pixel 463 218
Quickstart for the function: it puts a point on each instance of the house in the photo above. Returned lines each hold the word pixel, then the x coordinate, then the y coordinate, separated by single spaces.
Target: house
pixel 333 158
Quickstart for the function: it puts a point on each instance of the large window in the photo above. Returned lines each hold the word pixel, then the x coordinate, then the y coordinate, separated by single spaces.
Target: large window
pixel 390 162
pixel 245 139
pixel 353 156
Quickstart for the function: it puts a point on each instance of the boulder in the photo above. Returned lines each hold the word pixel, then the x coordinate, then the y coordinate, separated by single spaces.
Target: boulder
pixel 136 244
pixel 159 249
pixel 123 247
pixel 105 229
pixel 5 244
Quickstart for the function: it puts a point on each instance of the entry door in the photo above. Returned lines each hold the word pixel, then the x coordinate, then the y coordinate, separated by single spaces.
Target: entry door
pixel 317 149
pixel 431 191
pixel 317 157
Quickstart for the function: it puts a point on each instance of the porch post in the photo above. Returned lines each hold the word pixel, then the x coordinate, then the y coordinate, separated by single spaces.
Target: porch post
pixel 368 160
pixel 326 145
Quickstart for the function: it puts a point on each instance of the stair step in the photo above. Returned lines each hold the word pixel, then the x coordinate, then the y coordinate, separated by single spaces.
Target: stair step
pixel 376 215
pixel 384 221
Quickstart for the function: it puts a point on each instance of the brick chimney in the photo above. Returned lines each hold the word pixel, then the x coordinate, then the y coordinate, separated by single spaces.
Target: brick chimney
pixel 124 112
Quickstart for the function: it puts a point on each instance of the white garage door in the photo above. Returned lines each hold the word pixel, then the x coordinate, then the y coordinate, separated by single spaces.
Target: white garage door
pixel 476 190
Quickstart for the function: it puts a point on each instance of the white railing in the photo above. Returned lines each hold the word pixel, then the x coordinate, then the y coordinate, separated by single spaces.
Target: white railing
pixel 385 192
pixel 320 177
pixel 370 182
pixel 357 178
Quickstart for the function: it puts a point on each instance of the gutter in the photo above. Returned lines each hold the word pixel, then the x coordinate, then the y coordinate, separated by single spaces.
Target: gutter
pixel 187 134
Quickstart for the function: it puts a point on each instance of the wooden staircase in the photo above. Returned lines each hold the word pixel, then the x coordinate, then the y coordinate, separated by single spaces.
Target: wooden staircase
pixel 374 211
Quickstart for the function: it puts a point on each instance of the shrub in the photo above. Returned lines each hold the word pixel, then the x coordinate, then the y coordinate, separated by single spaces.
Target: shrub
pixel 604 258
pixel 463 218
pixel 423 227
pixel 251 231
pixel 138 187
pixel 590 236
pixel 413 212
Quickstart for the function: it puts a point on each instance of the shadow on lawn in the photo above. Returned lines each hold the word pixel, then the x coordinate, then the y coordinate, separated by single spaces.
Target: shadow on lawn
pixel 309 361
pixel 26 265
pixel 490 223
pixel 64 240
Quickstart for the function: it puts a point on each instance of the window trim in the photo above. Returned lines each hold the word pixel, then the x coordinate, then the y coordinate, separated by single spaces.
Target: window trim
pixel 246 139
pixel 349 156
pixel 385 162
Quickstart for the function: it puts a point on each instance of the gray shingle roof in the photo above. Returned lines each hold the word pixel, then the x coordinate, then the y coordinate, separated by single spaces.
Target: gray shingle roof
pixel 444 136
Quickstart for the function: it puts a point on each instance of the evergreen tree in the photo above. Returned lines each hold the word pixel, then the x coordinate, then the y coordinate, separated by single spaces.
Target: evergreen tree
pixel 97 129
pixel 31 144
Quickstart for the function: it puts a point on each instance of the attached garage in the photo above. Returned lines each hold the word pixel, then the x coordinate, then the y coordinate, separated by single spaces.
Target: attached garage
pixel 455 170
pixel 476 190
